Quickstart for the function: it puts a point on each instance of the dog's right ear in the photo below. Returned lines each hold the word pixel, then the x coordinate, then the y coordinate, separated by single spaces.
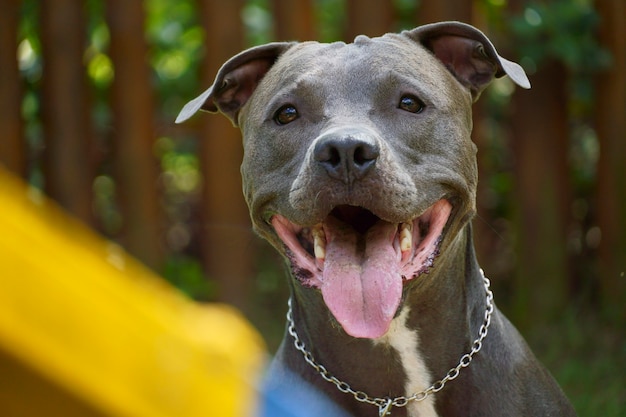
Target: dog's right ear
pixel 235 82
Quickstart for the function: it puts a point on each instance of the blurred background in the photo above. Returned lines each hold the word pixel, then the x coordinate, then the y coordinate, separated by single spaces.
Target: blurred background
pixel 87 113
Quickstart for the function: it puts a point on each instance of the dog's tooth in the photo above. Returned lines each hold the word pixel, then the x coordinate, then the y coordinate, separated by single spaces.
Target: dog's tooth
pixel 319 242
pixel 406 237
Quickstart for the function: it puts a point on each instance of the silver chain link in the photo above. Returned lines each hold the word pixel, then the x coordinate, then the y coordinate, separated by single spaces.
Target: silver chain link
pixel 385 404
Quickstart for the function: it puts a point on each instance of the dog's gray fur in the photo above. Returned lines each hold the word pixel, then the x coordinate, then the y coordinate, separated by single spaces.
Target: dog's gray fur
pixel 349 93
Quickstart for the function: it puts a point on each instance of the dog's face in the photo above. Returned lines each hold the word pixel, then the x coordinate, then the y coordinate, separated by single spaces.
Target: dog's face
pixel 358 163
pixel 359 234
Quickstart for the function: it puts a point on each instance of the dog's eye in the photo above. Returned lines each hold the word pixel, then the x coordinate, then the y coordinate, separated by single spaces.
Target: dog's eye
pixel 286 114
pixel 411 104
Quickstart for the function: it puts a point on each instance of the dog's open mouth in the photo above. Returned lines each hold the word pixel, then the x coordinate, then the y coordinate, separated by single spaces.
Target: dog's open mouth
pixel 361 262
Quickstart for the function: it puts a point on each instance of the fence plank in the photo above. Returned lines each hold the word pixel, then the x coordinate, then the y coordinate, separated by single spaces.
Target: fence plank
pixel 611 190
pixel 133 109
pixel 293 23
pixel 434 11
pixel 227 240
pixel 11 145
pixel 65 109
pixel 542 196
pixel 368 17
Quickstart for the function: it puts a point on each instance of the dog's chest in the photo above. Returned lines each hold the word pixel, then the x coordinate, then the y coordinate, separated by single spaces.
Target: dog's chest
pixel 405 342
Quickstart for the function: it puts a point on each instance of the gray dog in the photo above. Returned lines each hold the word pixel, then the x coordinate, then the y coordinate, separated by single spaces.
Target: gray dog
pixel 360 170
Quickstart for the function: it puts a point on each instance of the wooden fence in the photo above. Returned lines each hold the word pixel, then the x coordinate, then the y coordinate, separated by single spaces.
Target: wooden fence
pixel 546 232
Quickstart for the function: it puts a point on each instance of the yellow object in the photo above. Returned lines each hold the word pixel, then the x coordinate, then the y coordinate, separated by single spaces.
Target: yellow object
pixel 87 331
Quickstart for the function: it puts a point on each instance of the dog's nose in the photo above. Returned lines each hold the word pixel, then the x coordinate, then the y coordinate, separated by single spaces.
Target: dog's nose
pixel 346 156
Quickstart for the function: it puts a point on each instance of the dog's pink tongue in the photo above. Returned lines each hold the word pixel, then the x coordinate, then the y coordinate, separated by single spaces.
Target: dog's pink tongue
pixel 362 287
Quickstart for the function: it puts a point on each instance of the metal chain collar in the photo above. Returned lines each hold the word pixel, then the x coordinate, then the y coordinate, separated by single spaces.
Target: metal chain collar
pixel 385 404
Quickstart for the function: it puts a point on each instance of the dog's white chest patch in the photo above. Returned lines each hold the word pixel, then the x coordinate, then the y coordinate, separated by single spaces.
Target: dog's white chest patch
pixel 405 342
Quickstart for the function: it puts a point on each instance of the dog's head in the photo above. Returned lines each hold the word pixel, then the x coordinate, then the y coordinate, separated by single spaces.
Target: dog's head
pixel 358 163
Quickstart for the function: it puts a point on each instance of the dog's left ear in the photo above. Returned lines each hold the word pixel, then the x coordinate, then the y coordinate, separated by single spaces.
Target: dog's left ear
pixel 468 54
pixel 235 82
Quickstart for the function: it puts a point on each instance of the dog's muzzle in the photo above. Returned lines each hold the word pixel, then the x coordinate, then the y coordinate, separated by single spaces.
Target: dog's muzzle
pixel 361 262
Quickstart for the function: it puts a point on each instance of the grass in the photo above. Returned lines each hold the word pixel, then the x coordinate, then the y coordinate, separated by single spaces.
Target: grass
pixel 587 356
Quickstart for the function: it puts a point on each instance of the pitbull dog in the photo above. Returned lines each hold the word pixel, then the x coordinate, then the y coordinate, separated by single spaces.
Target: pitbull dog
pixel 359 168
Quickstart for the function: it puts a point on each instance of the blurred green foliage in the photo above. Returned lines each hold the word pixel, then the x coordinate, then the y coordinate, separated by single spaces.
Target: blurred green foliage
pixel 562 30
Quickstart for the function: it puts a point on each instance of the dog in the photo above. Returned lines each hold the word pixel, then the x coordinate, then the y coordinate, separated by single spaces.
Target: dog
pixel 359 169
